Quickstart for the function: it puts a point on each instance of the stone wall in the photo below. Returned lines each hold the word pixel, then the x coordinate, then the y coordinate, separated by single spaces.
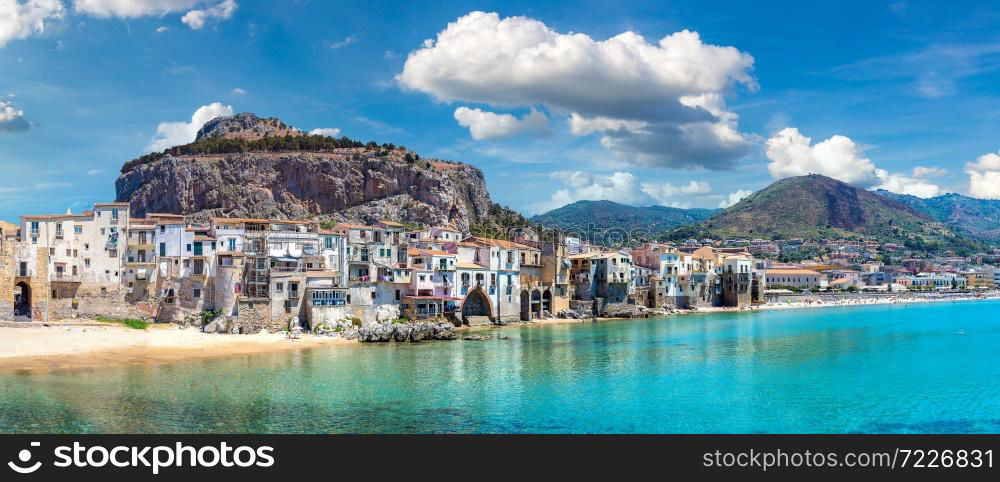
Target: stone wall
pixel 255 316
pixel 92 301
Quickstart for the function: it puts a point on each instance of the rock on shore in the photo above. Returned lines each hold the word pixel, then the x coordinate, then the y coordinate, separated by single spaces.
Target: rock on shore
pixel 388 331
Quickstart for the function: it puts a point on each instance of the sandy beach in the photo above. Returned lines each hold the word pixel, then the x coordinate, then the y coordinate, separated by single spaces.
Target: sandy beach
pixel 91 344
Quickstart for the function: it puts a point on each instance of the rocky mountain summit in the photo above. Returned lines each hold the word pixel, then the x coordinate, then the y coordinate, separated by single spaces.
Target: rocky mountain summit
pixel 245 126
pixel 246 166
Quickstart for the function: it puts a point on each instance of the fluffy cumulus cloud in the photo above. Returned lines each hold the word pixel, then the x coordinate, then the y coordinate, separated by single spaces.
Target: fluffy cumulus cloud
pixel 621 187
pixel 11 119
pixel 839 157
pixel 484 125
pixel 667 194
pixel 170 134
pixel 197 19
pixel 914 186
pixel 734 197
pixel 984 176
pixel 21 19
pixel 198 12
pixel 657 104
pixel 793 154
pixel 325 131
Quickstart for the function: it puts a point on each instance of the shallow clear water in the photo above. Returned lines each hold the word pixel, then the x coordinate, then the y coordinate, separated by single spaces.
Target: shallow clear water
pixel 853 369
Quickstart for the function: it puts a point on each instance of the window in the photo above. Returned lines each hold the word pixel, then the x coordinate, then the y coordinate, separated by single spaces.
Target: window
pixel 232 244
pixel 328 298
pixel 77 229
pixel 163 249
pixel 188 247
pixel 279 287
pixel 34 228
pixel 86 262
pixel 196 293
pixel 114 213
pixel 329 242
pixel 397 295
pixel 102 231
pixel 59 230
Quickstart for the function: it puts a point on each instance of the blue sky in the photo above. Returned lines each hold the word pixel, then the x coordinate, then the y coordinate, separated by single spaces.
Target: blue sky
pixel 554 102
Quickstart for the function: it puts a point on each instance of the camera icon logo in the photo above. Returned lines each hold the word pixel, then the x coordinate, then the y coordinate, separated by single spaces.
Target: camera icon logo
pixel 25 456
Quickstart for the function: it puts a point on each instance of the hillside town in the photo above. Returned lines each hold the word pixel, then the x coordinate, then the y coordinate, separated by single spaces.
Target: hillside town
pixel 279 275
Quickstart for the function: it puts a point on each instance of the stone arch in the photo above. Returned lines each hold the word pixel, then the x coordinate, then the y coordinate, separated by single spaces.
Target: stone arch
pixel 536 303
pixel 476 303
pixel 547 301
pixel 22 299
pixel 525 306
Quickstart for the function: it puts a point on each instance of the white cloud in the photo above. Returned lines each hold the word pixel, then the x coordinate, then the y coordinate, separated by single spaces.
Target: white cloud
pixel 196 19
pixel 94 172
pixel 20 20
pixel 170 134
pixel 665 194
pixel 984 176
pixel 839 157
pixel 793 154
pixel 344 43
pixel 621 187
pixel 11 119
pixel 132 8
pixel 658 104
pixel 734 198
pixel 325 131
pixel 906 185
pixel 162 29
pixel 490 125
pixel 921 171
pixel 238 91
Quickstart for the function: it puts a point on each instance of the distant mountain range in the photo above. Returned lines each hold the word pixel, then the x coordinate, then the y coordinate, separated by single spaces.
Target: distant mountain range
pixel 811 207
pixel 819 207
pixel 976 218
pixel 586 217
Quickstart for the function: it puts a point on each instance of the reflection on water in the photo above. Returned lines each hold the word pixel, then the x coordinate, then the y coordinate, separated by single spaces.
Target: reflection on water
pixel 857 369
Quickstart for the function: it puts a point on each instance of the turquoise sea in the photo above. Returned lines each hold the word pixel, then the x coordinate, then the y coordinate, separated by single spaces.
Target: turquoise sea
pixel 927 368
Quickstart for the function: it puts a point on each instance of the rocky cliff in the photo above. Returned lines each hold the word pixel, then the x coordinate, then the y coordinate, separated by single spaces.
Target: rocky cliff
pixel 250 167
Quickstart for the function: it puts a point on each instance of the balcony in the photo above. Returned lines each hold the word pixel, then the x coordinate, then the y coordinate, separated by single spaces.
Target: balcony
pixel 139 262
pixel 65 277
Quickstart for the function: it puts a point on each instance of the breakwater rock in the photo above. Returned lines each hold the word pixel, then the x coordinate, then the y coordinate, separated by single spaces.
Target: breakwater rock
pixel 387 331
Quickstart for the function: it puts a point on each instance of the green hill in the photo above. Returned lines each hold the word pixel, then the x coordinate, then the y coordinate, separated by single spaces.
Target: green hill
pixel 819 207
pixel 589 218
